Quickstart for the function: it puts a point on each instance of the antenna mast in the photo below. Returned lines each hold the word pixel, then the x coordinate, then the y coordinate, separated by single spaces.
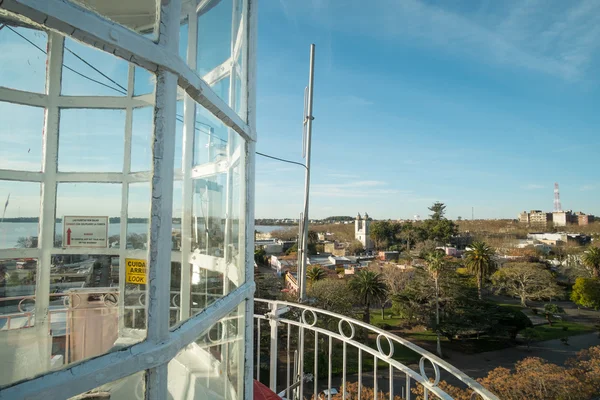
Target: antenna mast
pixel 557 205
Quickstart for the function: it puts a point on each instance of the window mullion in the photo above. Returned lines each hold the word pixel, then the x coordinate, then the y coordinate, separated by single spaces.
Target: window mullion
pixel 161 205
pixel 48 196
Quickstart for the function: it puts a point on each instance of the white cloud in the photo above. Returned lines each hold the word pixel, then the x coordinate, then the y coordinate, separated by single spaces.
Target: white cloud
pixel 586 188
pixel 557 38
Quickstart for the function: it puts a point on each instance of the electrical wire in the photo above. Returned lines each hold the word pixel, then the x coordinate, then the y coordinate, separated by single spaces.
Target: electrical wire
pixel 122 90
pixel 281 159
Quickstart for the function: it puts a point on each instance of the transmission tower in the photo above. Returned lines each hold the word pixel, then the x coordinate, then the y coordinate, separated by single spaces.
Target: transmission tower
pixel 557 206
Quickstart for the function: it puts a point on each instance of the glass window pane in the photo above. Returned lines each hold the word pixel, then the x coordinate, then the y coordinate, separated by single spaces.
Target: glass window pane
pixel 211 137
pixel 90 200
pixel 24 353
pixel 23 61
pixel 221 88
pixel 143 82
pixel 138 214
pixel 141 139
pixel 21 211
pixel 183 40
pixel 91 140
pixel 137 15
pixel 214 35
pixel 88 71
pixel 131 387
pixel 218 354
pixel 21 136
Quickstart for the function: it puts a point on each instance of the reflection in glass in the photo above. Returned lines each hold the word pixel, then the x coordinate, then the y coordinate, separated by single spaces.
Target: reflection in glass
pixel 88 71
pixel 218 354
pixel 131 387
pixel 89 199
pixel 23 352
pixel 20 214
pixel 214 35
pixel 91 140
pixel 211 137
pixel 23 61
pixel 208 226
pixel 21 130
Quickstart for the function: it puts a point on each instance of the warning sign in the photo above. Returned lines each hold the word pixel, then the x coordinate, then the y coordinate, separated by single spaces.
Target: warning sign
pixel 135 271
pixel 83 231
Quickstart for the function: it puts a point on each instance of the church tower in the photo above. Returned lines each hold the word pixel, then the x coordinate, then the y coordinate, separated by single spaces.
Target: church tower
pixel 361 231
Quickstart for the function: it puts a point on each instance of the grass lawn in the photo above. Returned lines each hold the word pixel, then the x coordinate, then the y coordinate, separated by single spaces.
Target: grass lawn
pixel 389 319
pixel 561 329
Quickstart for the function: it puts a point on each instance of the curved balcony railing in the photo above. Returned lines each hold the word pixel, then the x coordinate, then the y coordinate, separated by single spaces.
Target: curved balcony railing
pixel 300 349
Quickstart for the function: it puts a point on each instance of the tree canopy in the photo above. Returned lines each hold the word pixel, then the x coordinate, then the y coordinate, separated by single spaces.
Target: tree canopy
pixel 369 287
pixel 527 281
pixel 586 292
pixel 479 262
pixel 591 259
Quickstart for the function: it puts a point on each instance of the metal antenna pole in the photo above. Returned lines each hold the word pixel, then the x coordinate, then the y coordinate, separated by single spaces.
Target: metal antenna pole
pixel 308 118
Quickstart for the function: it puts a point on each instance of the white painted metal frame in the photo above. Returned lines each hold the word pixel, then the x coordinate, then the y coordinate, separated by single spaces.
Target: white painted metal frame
pixel 161 345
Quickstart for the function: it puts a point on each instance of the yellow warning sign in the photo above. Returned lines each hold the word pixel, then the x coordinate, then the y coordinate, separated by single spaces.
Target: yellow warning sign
pixel 135 271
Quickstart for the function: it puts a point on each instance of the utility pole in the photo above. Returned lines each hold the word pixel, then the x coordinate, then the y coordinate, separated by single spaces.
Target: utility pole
pixel 307 123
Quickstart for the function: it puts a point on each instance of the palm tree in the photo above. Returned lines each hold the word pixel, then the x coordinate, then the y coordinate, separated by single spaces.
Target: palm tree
pixel 435 266
pixel 369 287
pixel 315 273
pixel 591 259
pixel 479 262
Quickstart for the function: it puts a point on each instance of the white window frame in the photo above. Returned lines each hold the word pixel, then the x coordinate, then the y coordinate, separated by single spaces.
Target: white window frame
pixel 161 344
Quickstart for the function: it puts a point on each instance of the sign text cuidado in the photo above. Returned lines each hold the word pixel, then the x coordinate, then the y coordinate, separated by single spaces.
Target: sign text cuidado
pixel 135 271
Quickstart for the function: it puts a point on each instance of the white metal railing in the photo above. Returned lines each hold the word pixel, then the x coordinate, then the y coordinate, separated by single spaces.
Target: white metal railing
pixel 299 334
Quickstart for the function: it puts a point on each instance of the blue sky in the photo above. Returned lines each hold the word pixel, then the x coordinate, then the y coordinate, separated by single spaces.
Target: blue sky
pixel 475 104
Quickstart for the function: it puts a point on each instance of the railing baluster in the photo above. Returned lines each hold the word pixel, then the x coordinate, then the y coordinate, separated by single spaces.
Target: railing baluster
pixel 425 393
pixel 359 373
pixel 407 387
pixel 374 377
pixel 289 334
pixel 273 350
pixel 316 368
pixel 329 368
pixel 391 382
pixel 258 351
pixel 301 364
pixel 344 390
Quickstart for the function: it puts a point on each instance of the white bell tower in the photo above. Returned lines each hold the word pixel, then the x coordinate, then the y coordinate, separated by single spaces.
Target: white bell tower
pixel 361 231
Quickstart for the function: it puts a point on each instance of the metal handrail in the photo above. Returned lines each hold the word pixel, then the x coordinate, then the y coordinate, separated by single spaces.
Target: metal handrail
pixel 308 320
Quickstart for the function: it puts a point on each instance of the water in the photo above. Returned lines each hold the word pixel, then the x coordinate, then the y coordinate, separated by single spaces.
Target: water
pixel 271 228
pixel 10 232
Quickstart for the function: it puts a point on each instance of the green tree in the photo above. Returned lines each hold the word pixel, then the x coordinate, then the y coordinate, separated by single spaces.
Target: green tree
pixel 438 210
pixel 260 256
pixel 369 287
pixel 586 292
pixel 332 295
pixel 380 232
pixel 551 310
pixel 591 259
pixel 527 281
pixel 435 266
pixel 355 247
pixel 315 273
pixel 438 228
pixel 479 262
pixel 530 335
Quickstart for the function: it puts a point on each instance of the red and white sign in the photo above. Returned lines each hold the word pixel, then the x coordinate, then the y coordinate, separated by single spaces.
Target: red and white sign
pixel 82 231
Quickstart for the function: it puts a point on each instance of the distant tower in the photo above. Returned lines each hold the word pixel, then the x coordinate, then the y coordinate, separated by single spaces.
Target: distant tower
pixel 361 231
pixel 557 206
